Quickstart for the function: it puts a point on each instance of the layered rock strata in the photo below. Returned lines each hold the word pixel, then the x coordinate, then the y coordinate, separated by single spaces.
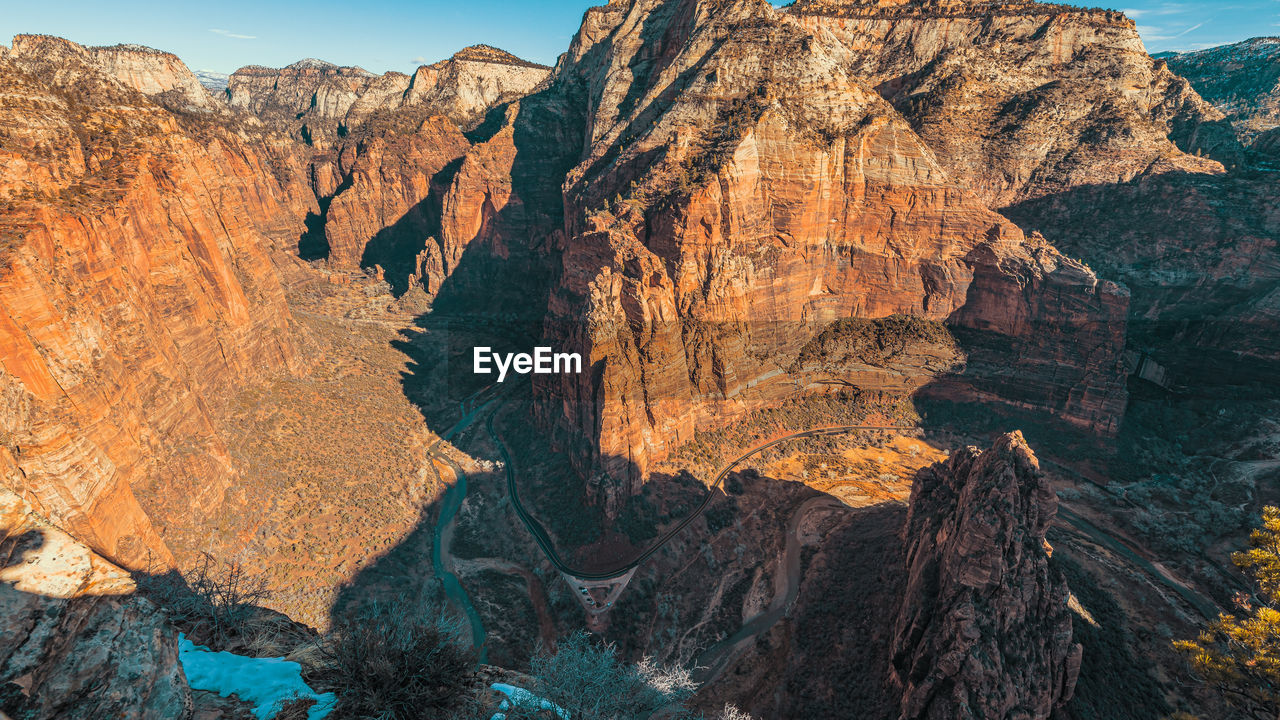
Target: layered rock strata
pixel 137 282
pixel 322 101
pixel 740 188
pixel 159 75
pixel 1023 99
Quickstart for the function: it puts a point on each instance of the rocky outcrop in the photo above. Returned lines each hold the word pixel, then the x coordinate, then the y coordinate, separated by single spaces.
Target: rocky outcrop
pixel 386 206
pixel 138 280
pixel 984 630
pixel 1045 334
pixel 1021 99
pixel 475 79
pixel 322 90
pixel 1199 254
pixel 75 643
pixel 1242 80
pixel 394 193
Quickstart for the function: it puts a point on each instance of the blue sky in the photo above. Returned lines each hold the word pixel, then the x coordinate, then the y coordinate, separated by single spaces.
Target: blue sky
pixel 382 35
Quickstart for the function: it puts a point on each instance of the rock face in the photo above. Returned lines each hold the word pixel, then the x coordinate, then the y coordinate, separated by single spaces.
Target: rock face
pixel 1242 80
pixel 475 79
pixel 137 281
pixel 984 630
pixel 1200 256
pixel 387 204
pixel 158 75
pixel 1022 99
pixel 387 167
pixel 740 188
pixel 74 642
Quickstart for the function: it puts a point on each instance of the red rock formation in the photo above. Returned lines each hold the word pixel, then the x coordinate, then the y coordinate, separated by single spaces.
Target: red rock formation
pixel 381 215
pixel 390 149
pixel 984 630
pixel 136 283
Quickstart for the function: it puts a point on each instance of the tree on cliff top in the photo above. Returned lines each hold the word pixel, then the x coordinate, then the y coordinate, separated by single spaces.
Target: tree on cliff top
pixel 1240 657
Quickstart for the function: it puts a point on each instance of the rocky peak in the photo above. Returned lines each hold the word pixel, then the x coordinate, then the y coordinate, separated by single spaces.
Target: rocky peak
pixel 475 79
pixel 327 99
pixel 984 630
pixel 941 8
pixel 30 45
pixel 1023 99
pixel 312 65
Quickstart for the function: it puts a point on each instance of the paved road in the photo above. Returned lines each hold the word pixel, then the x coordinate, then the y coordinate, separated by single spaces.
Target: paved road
pixel 1204 605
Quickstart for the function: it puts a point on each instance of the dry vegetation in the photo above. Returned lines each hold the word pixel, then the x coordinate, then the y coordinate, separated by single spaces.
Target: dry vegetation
pixel 332 463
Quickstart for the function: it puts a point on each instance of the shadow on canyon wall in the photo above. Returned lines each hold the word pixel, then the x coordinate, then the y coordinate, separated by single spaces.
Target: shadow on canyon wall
pixel 1200 255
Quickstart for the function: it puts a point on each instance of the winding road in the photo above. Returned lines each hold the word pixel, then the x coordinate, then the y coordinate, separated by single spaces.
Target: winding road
pixel 543 539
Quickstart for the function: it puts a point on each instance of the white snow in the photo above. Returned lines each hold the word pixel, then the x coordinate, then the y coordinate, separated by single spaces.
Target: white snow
pixel 265 683
pixel 520 698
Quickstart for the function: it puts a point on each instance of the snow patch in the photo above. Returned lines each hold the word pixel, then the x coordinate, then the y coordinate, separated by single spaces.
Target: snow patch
pixel 265 683
pixel 522 699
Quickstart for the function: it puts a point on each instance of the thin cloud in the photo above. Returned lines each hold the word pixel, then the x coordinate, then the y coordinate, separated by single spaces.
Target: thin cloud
pixel 228 33
pixel 1193 28
pixel 419 60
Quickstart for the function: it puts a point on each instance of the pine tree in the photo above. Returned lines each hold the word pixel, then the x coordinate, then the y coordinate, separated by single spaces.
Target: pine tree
pixel 1240 656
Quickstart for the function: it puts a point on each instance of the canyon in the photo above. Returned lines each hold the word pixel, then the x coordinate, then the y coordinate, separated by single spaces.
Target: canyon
pixel 232 321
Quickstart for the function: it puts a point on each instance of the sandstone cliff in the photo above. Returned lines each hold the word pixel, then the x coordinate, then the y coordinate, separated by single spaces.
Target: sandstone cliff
pixel 1021 99
pixel 159 75
pixel 739 187
pixel 137 280
pixel 387 167
pixel 984 630
pixel 75 643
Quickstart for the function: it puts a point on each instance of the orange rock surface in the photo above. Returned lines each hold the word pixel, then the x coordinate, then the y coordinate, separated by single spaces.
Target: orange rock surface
pixel 137 281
